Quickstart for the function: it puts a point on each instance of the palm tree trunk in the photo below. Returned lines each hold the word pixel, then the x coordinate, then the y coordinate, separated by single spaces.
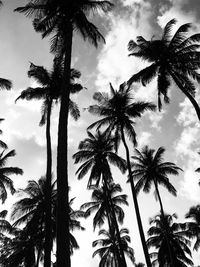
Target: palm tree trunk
pixel 48 232
pixel 63 240
pixel 112 233
pixel 137 211
pixel 189 96
pixel 122 257
pixel 166 230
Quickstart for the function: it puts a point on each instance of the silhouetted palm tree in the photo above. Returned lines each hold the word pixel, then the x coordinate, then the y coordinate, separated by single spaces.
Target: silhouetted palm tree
pixel 62 18
pixel 194 225
pixel 149 168
pixel 100 204
pixel 107 252
pixel 30 211
pixel 172 58
pixel 177 236
pixel 118 111
pixel 5 172
pixel 49 91
pixel 96 152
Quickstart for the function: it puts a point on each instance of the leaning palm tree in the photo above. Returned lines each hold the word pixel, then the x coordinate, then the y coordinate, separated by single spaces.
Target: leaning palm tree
pixel 96 152
pixel 177 236
pixel 172 58
pixel 118 111
pixel 49 90
pixel 108 244
pixel 5 172
pixel 149 168
pixel 194 225
pixel 62 19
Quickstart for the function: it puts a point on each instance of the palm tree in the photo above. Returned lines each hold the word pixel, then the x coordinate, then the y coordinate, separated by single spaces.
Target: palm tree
pixel 105 201
pixel 118 111
pixel 177 236
pixel 149 168
pixel 101 205
pixel 49 90
pixel 5 172
pixel 96 152
pixel 172 58
pixel 194 225
pixel 62 18
pixel 108 244
pixel 30 210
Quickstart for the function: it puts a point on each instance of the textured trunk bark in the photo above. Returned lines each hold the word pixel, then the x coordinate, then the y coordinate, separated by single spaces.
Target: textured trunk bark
pixel 63 243
pixel 166 230
pixel 48 232
pixel 113 216
pixel 137 211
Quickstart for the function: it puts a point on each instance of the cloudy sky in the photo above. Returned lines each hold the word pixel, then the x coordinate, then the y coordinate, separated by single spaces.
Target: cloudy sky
pixel 176 127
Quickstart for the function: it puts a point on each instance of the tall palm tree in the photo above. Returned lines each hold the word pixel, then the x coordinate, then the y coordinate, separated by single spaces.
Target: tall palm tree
pixel 194 225
pixel 118 111
pixel 97 152
pixel 149 168
pixel 62 18
pixel 100 204
pixel 177 236
pixel 172 58
pixel 5 172
pixel 108 244
pixel 49 91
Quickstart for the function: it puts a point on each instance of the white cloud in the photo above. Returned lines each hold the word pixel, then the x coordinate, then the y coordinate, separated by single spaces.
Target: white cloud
pixel 114 64
pixel 144 139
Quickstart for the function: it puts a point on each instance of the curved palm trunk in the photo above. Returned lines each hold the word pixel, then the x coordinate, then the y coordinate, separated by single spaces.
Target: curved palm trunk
pixel 63 243
pixel 166 230
pixel 48 232
pixel 192 100
pixel 122 259
pixel 137 211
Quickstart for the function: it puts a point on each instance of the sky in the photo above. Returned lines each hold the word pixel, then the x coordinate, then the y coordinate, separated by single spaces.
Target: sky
pixel 176 127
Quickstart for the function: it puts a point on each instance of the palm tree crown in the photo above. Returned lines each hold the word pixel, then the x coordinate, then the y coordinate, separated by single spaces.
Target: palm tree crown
pixel 194 225
pixel 107 251
pixel 96 152
pixel 175 58
pixel 5 172
pixel 53 17
pixel 118 111
pixel 149 167
pixel 101 205
pixel 177 236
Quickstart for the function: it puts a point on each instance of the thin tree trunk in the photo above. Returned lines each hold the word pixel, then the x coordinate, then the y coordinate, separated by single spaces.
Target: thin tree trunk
pixel 48 232
pixel 63 240
pixel 122 257
pixel 116 254
pixel 142 236
pixel 189 96
pixel 166 230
